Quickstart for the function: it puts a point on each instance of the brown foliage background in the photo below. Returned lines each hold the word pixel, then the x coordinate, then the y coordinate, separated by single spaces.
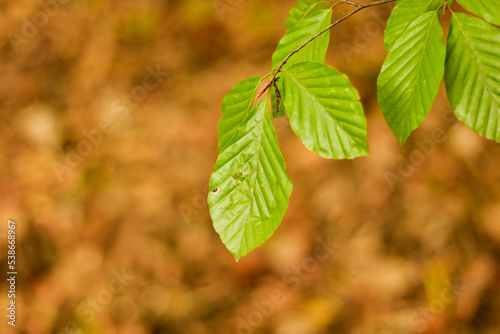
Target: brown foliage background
pixel 418 254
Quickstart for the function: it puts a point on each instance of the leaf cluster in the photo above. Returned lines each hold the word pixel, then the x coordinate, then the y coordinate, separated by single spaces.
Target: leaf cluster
pixel 250 189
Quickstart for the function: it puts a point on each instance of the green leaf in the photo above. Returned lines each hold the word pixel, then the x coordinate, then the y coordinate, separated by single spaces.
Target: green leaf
pixel 236 105
pixel 302 9
pixel 301 33
pixel 410 77
pixel 324 110
pixel 487 9
pixel 472 75
pixel 249 188
pixel 403 15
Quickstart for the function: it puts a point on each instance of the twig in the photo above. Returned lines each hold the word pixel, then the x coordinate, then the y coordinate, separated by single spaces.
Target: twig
pixel 359 7
pixel 350 3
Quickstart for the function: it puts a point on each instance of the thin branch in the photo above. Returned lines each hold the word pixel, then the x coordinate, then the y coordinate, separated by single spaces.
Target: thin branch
pixel 350 3
pixel 359 7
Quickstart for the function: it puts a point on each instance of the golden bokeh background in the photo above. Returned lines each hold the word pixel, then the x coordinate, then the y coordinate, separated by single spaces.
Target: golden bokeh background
pixel 108 133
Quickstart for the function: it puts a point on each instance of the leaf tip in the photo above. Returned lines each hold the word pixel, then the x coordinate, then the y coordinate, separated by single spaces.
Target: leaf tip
pixel 402 138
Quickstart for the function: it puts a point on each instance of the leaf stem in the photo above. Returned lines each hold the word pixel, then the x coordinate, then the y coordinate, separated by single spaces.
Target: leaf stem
pixel 359 7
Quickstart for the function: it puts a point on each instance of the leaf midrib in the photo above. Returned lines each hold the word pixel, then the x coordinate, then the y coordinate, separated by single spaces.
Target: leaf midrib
pixel 426 42
pixel 254 176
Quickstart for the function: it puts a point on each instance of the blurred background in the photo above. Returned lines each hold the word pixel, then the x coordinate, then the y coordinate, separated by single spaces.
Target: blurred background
pixel 108 136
